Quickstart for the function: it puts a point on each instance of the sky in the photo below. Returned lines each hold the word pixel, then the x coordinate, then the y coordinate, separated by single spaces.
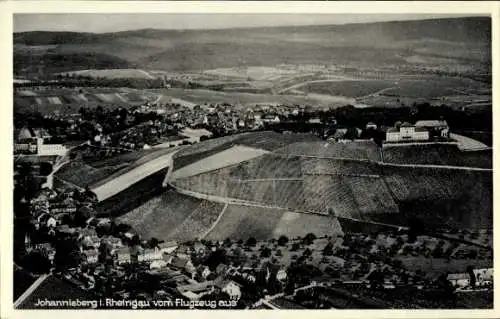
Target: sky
pixel 100 23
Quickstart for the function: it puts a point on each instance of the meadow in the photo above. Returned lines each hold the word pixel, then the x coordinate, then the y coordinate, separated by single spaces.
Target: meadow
pixel 346 88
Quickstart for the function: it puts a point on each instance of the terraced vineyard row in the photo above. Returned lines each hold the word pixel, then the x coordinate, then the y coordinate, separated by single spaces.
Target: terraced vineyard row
pixel 437 154
pixel 325 166
pixel 161 215
pixel 268 166
pixel 242 222
pixel 198 222
pixel 327 193
pixel 361 150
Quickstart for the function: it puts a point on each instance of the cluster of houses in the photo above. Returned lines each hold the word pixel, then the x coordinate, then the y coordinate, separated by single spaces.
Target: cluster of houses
pixel 478 278
pixel 36 141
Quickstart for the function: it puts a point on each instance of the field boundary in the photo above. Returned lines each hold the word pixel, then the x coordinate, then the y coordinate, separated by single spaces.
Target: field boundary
pixel 216 222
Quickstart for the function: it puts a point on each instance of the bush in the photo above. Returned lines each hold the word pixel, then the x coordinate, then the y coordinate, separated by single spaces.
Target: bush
pixel 295 247
pixel 251 242
pixel 282 241
pixel 309 239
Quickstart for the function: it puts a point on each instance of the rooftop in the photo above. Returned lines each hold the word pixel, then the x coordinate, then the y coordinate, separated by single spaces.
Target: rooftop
pixel 431 123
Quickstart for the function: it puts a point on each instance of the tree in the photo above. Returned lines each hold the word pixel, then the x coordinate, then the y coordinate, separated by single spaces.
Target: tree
pixel 283 240
pixel 227 242
pixel 265 253
pixel 295 246
pixel 36 263
pixel 67 254
pixel 309 239
pixel 251 242
pixel 328 250
pixel 307 253
pixel 470 271
pixel 153 242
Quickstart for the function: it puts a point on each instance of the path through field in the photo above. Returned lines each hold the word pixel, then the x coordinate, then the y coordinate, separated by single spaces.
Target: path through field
pixel 149 76
pixel 336 78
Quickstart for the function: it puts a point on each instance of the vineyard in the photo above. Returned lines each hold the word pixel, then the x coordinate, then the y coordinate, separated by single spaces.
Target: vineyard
pixel 268 166
pixel 371 195
pixel 456 198
pixel 325 166
pixel 243 222
pixel 362 150
pixel 161 215
pixel 437 154
pixel 198 222
pixel 329 193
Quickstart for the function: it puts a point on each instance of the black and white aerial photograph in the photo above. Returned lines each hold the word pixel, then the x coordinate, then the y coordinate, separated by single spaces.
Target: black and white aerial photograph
pixel 252 161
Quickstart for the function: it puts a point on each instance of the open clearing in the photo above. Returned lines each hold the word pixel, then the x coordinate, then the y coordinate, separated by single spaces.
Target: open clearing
pixel 345 88
pixel 237 98
pixel 114 73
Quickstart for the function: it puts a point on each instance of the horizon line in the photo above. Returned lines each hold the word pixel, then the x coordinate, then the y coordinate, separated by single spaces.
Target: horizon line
pixel 445 17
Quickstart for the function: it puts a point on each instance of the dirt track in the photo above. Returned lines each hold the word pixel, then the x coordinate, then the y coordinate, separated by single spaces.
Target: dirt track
pixel 126 180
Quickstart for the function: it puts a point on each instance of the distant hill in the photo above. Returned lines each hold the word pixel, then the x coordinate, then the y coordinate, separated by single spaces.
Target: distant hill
pixel 371 43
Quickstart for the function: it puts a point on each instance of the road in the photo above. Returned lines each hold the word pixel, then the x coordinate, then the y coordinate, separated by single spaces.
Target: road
pixel 30 290
pixel 133 176
pixel 332 79
pixel 158 99
pixel 149 76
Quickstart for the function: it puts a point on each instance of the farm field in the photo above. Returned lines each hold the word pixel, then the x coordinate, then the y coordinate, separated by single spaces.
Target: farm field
pixel 68 101
pixel 432 87
pixel 259 73
pixel 113 73
pixel 346 88
pixel 198 96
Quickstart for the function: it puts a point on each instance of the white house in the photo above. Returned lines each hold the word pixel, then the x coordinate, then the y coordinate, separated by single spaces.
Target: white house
pixel 123 256
pixel 436 127
pixel 50 149
pixel 271 119
pixel 459 280
pixel 231 288
pixel 281 274
pixel 483 276
pixel 91 256
pixel 203 271
pixel 150 255
pixel 168 247
pixel 406 132
pixel 158 264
